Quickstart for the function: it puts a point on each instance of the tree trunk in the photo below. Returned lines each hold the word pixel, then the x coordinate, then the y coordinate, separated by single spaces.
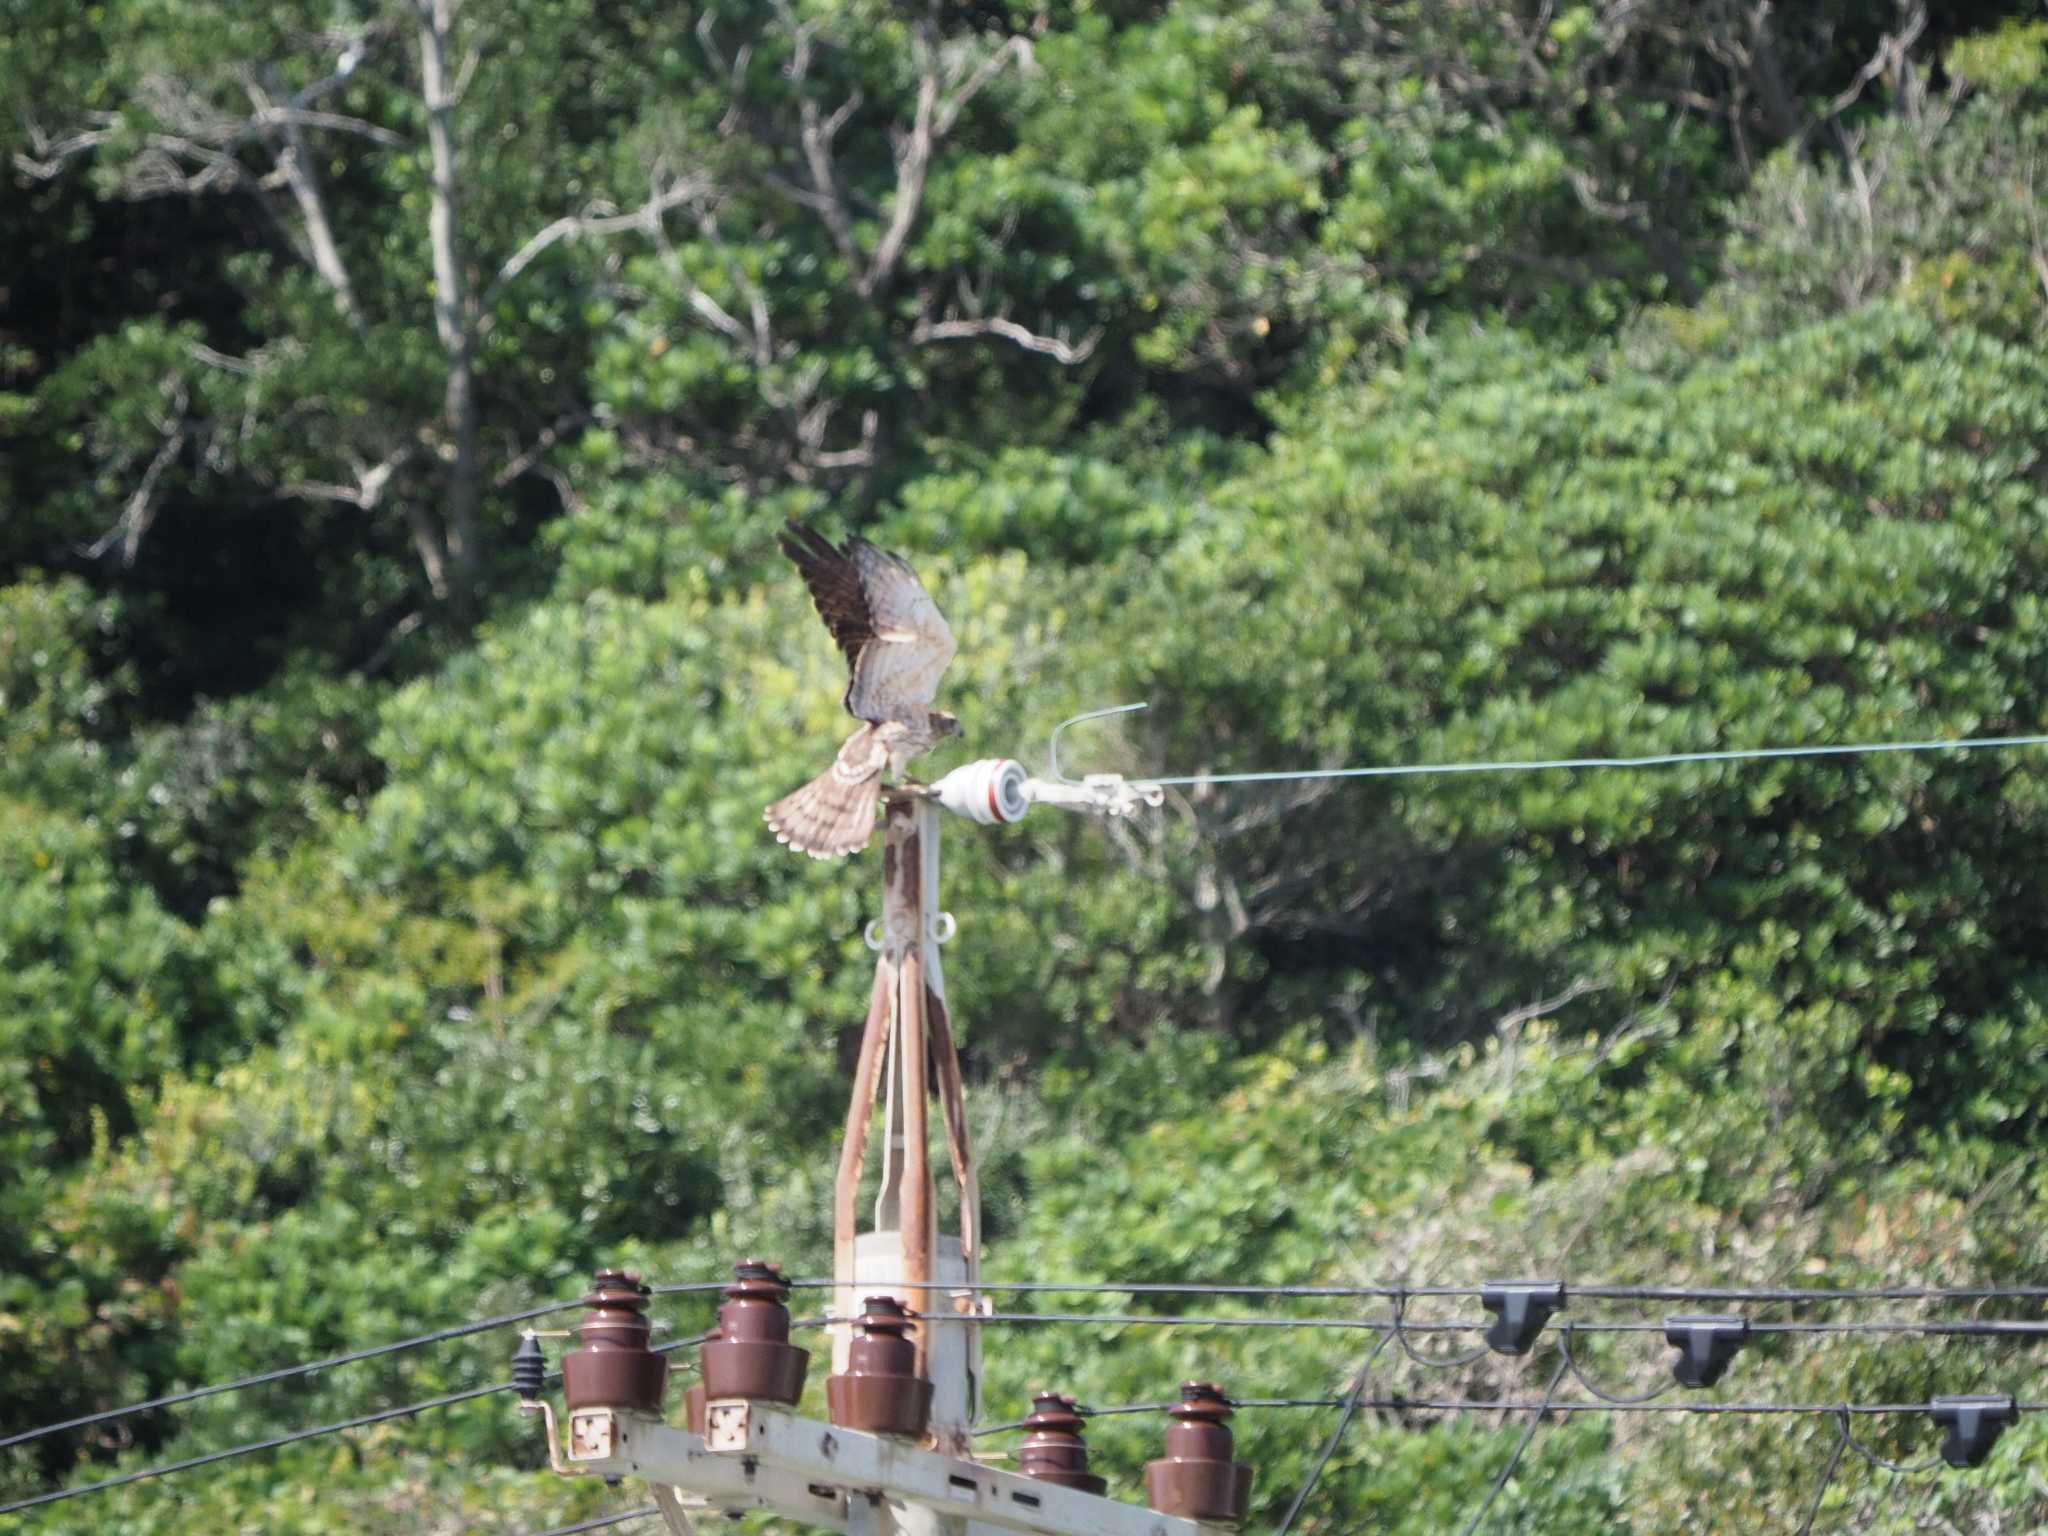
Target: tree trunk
pixel 452 321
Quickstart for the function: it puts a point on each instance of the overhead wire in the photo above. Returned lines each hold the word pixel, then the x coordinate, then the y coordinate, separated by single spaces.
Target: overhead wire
pixel 274 1442
pixel 310 1367
pixel 143 1474
pixel 1315 1475
pixel 1646 760
pixel 1441 1405
pixel 1396 1326
pixel 1908 1469
pixel 1597 1290
pixel 1401 1403
pixel 600 1522
pixel 1846 1440
pixel 289 1372
pixel 1400 1327
pixel 1571 1364
pixel 1113 1409
pixel 1827 1477
pixel 1351 1402
pixel 1521 1446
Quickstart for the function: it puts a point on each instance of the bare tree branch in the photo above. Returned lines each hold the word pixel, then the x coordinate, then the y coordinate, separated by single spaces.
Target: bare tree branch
pixel 719 318
pixel 194 152
pixel 1515 1018
pixel 1587 191
pixel 757 299
pixel 140 509
pixel 1016 51
pixel 1889 59
pixel 303 177
pixel 221 360
pixel 932 119
pixel 816 456
pixel 542 445
pixel 735 68
pixel 1056 346
pixel 825 197
pixel 296 117
pixel 757 338
pixel 428 544
pixel 368 492
pixel 464 75
pixel 161 169
pixel 453 321
pixel 913 164
pixel 647 218
pixel 368 489
pixel 48 157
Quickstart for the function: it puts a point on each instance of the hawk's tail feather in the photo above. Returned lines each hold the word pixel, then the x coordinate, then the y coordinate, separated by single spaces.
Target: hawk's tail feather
pixel 829 817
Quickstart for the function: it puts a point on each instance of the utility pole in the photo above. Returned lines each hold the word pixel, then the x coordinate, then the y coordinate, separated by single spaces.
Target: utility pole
pixel 896 1457
pixel 906 1051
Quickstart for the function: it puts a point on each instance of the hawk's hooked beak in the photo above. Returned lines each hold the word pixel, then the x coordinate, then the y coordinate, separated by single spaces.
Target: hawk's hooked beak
pixel 947 723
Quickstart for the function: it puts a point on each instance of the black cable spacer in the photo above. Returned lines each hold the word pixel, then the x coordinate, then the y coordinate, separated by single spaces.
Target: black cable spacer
pixel 1974 1424
pixel 1706 1343
pixel 1520 1308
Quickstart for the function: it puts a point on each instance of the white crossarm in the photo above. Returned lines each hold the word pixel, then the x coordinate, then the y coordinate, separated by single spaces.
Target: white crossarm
pixel 616 1444
pixel 757 1456
pixel 816 1454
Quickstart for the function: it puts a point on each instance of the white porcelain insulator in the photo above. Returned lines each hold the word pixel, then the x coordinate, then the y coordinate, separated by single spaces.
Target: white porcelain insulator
pixel 990 791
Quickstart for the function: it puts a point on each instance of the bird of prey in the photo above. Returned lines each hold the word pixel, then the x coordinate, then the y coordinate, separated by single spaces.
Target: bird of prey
pixel 897 646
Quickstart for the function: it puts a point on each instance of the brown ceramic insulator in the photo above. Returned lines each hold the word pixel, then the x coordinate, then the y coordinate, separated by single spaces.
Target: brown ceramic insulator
pixel 750 1355
pixel 1199 1478
pixel 881 1391
pixel 696 1410
pixel 1054 1450
pixel 615 1368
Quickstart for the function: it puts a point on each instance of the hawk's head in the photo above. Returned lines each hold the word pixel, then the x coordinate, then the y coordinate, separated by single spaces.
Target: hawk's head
pixel 944 723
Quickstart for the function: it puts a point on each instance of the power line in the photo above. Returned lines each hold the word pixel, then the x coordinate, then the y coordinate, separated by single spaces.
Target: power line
pixel 698 1287
pixel 1570 1363
pixel 308 1368
pixel 1351 1401
pixel 1113 1409
pixel 1827 1476
pixel 1600 1291
pixel 1402 1328
pixel 1651 760
pixel 1844 1440
pixel 1817 1297
pixel 1530 765
pixel 1441 1405
pixel 1399 1403
pixel 1183 1320
pixel 1395 1326
pixel 1522 1445
pixel 275 1441
pixel 1850 1440
pixel 1987 1327
pixel 601 1522
pixel 288 1372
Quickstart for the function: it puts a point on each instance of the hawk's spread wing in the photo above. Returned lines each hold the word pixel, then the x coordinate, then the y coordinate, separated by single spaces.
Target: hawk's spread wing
pixel 895 639
pixel 835 586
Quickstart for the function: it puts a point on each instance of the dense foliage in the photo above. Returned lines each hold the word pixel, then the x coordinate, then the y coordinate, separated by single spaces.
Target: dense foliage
pixel 399 402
